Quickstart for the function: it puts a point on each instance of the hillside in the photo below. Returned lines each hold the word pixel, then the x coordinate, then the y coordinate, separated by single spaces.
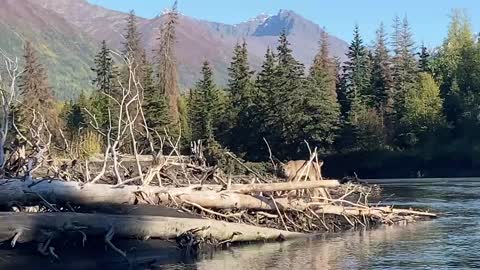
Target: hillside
pixel 63 48
pixel 67 33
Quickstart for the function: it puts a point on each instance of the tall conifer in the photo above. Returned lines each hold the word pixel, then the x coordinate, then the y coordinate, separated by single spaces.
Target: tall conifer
pixel 166 63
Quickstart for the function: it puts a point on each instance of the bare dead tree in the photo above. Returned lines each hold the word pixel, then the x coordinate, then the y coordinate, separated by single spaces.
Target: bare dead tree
pixel 8 86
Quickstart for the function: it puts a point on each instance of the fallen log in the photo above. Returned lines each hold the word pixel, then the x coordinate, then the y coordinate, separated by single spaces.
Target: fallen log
pixel 283 186
pixel 229 200
pixel 41 226
pixel 369 211
pixel 55 191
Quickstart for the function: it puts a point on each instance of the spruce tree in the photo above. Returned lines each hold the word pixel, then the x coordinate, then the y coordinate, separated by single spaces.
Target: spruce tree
pixel 357 82
pixel 424 60
pixel 104 71
pixel 382 74
pixel 241 90
pixel 204 106
pixel 324 66
pixel 240 75
pixel 155 106
pixel 358 130
pixel 264 106
pixel 265 88
pixel 106 87
pixel 405 66
pixel 76 118
pixel 132 43
pixel 166 63
pixel 36 94
pixel 290 85
pixel 135 53
pixel 321 109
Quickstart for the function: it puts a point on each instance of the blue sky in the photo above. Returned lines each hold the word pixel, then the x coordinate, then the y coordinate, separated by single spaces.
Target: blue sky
pixel 429 18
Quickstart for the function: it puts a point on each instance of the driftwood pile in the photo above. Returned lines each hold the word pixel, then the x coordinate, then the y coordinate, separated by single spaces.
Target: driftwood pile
pixel 203 207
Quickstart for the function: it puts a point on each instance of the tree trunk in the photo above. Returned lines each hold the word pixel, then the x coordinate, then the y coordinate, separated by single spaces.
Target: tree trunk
pixel 40 226
pixel 209 196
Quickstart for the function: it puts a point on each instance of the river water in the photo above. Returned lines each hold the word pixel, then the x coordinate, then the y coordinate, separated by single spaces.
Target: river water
pixel 449 242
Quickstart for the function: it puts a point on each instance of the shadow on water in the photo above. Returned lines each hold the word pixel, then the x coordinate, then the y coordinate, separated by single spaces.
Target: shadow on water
pixel 450 242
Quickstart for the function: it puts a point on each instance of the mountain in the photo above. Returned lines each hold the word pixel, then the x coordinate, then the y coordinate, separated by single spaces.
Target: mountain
pixel 64 49
pixel 198 40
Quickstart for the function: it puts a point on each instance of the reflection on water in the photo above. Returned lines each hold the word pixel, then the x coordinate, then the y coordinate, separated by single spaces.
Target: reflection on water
pixel 450 242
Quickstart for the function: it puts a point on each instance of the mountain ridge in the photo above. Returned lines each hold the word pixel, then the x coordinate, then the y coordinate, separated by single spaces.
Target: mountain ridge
pixel 198 40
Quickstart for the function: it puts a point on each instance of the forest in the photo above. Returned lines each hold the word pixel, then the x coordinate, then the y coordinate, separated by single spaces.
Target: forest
pixel 394 108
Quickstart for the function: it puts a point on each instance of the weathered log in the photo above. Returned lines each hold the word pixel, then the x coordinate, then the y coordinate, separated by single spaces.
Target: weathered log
pixel 39 227
pixel 91 194
pixel 284 186
pixel 229 200
pixel 209 195
pixel 368 211
pixel 205 196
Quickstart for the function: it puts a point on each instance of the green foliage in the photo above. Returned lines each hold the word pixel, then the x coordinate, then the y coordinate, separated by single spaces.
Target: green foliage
pixel 100 105
pixel 36 95
pixel 424 64
pixel 357 74
pixel 105 74
pixel 283 120
pixel 382 83
pixel 76 117
pixel 405 68
pixel 423 111
pixel 204 105
pixel 87 145
pixel 321 110
pixel 455 54
pixel 155 106
pixel 240 111
pixel 183 109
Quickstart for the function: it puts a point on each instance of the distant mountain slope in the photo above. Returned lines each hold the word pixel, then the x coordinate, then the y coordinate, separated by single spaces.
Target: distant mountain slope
pixel 79 22
pixel 63 48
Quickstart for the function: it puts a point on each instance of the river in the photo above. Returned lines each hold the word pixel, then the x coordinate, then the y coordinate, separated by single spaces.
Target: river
pixel 449 242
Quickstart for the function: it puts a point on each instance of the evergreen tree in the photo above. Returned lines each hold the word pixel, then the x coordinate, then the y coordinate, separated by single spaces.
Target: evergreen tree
pixel 104 71
pixel 265 88
pixel 357 82
pixel 265 104
pixel 103 108
pixel 288 98
pixel 155 107
pixel 241 90
pixel 325 67
pixel 106 87
pixel 76 118
pixel 36 94
pixel 135 53
pixel 405 65
pixel 166 62
pixel 321 109
pixel 382 74
pixel 204 106
pixel 424 61
pixel 360 120
pixel 132 44
pixel 240 75
pixel 136 77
